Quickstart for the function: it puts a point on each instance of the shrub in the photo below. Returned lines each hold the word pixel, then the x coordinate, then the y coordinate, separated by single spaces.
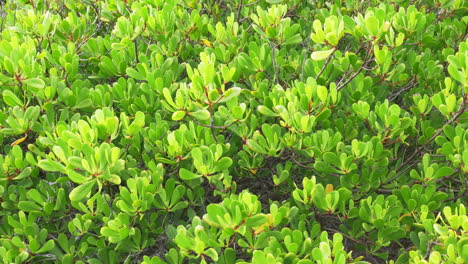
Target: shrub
pixel 271 131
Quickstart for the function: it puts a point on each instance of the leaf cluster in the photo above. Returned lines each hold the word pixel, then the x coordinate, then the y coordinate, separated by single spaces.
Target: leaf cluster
pixel 243 131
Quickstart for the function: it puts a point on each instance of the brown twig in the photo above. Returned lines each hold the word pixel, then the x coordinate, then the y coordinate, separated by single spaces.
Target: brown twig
pixel 212 126
pixel 345 235
pixel 363 66
pixel 239 9
pixel 326 63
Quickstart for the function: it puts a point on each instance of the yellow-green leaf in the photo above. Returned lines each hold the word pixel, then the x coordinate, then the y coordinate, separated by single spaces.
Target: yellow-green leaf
pixel 321 55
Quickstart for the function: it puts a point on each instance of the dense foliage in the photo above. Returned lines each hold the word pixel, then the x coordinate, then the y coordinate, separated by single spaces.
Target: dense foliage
pixel 242 131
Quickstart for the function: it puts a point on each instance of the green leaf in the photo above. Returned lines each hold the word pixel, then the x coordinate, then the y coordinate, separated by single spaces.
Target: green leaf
pixel 229 256
pixel 201 114
pixel 16 241
pixel 266 111
pixel 51 165
pixel 119 46
pixel 29 206
pixel 321 55
pixel 11 99
pixel 453 60
pixel 229 94
pixel 108 232
pixel 238 111
pixel 63 241
pixel 139 120
pixel 256 220
pixel 167 95
pixel 332 158
pixel 223 164
pixel 34 83
pixel 60 200
pixel 372 25
pixel 179 206
pixel 379 54
pixel 8 65
pixel 259 257
pixel 135 74
pixel 271 32
pixel 197 154
pixel 84 104
pixel 322 93
pixel 81 191
pixel 188 175
pixel 307 261
pixel 399 39
pixel 296 39
pixel 178 115
pixel 442 172
pixel 318 36
pixel 48 246
pixel 25 173
pixel 34 195
pixel 76 177
pixel 211 252
pixel 362 109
